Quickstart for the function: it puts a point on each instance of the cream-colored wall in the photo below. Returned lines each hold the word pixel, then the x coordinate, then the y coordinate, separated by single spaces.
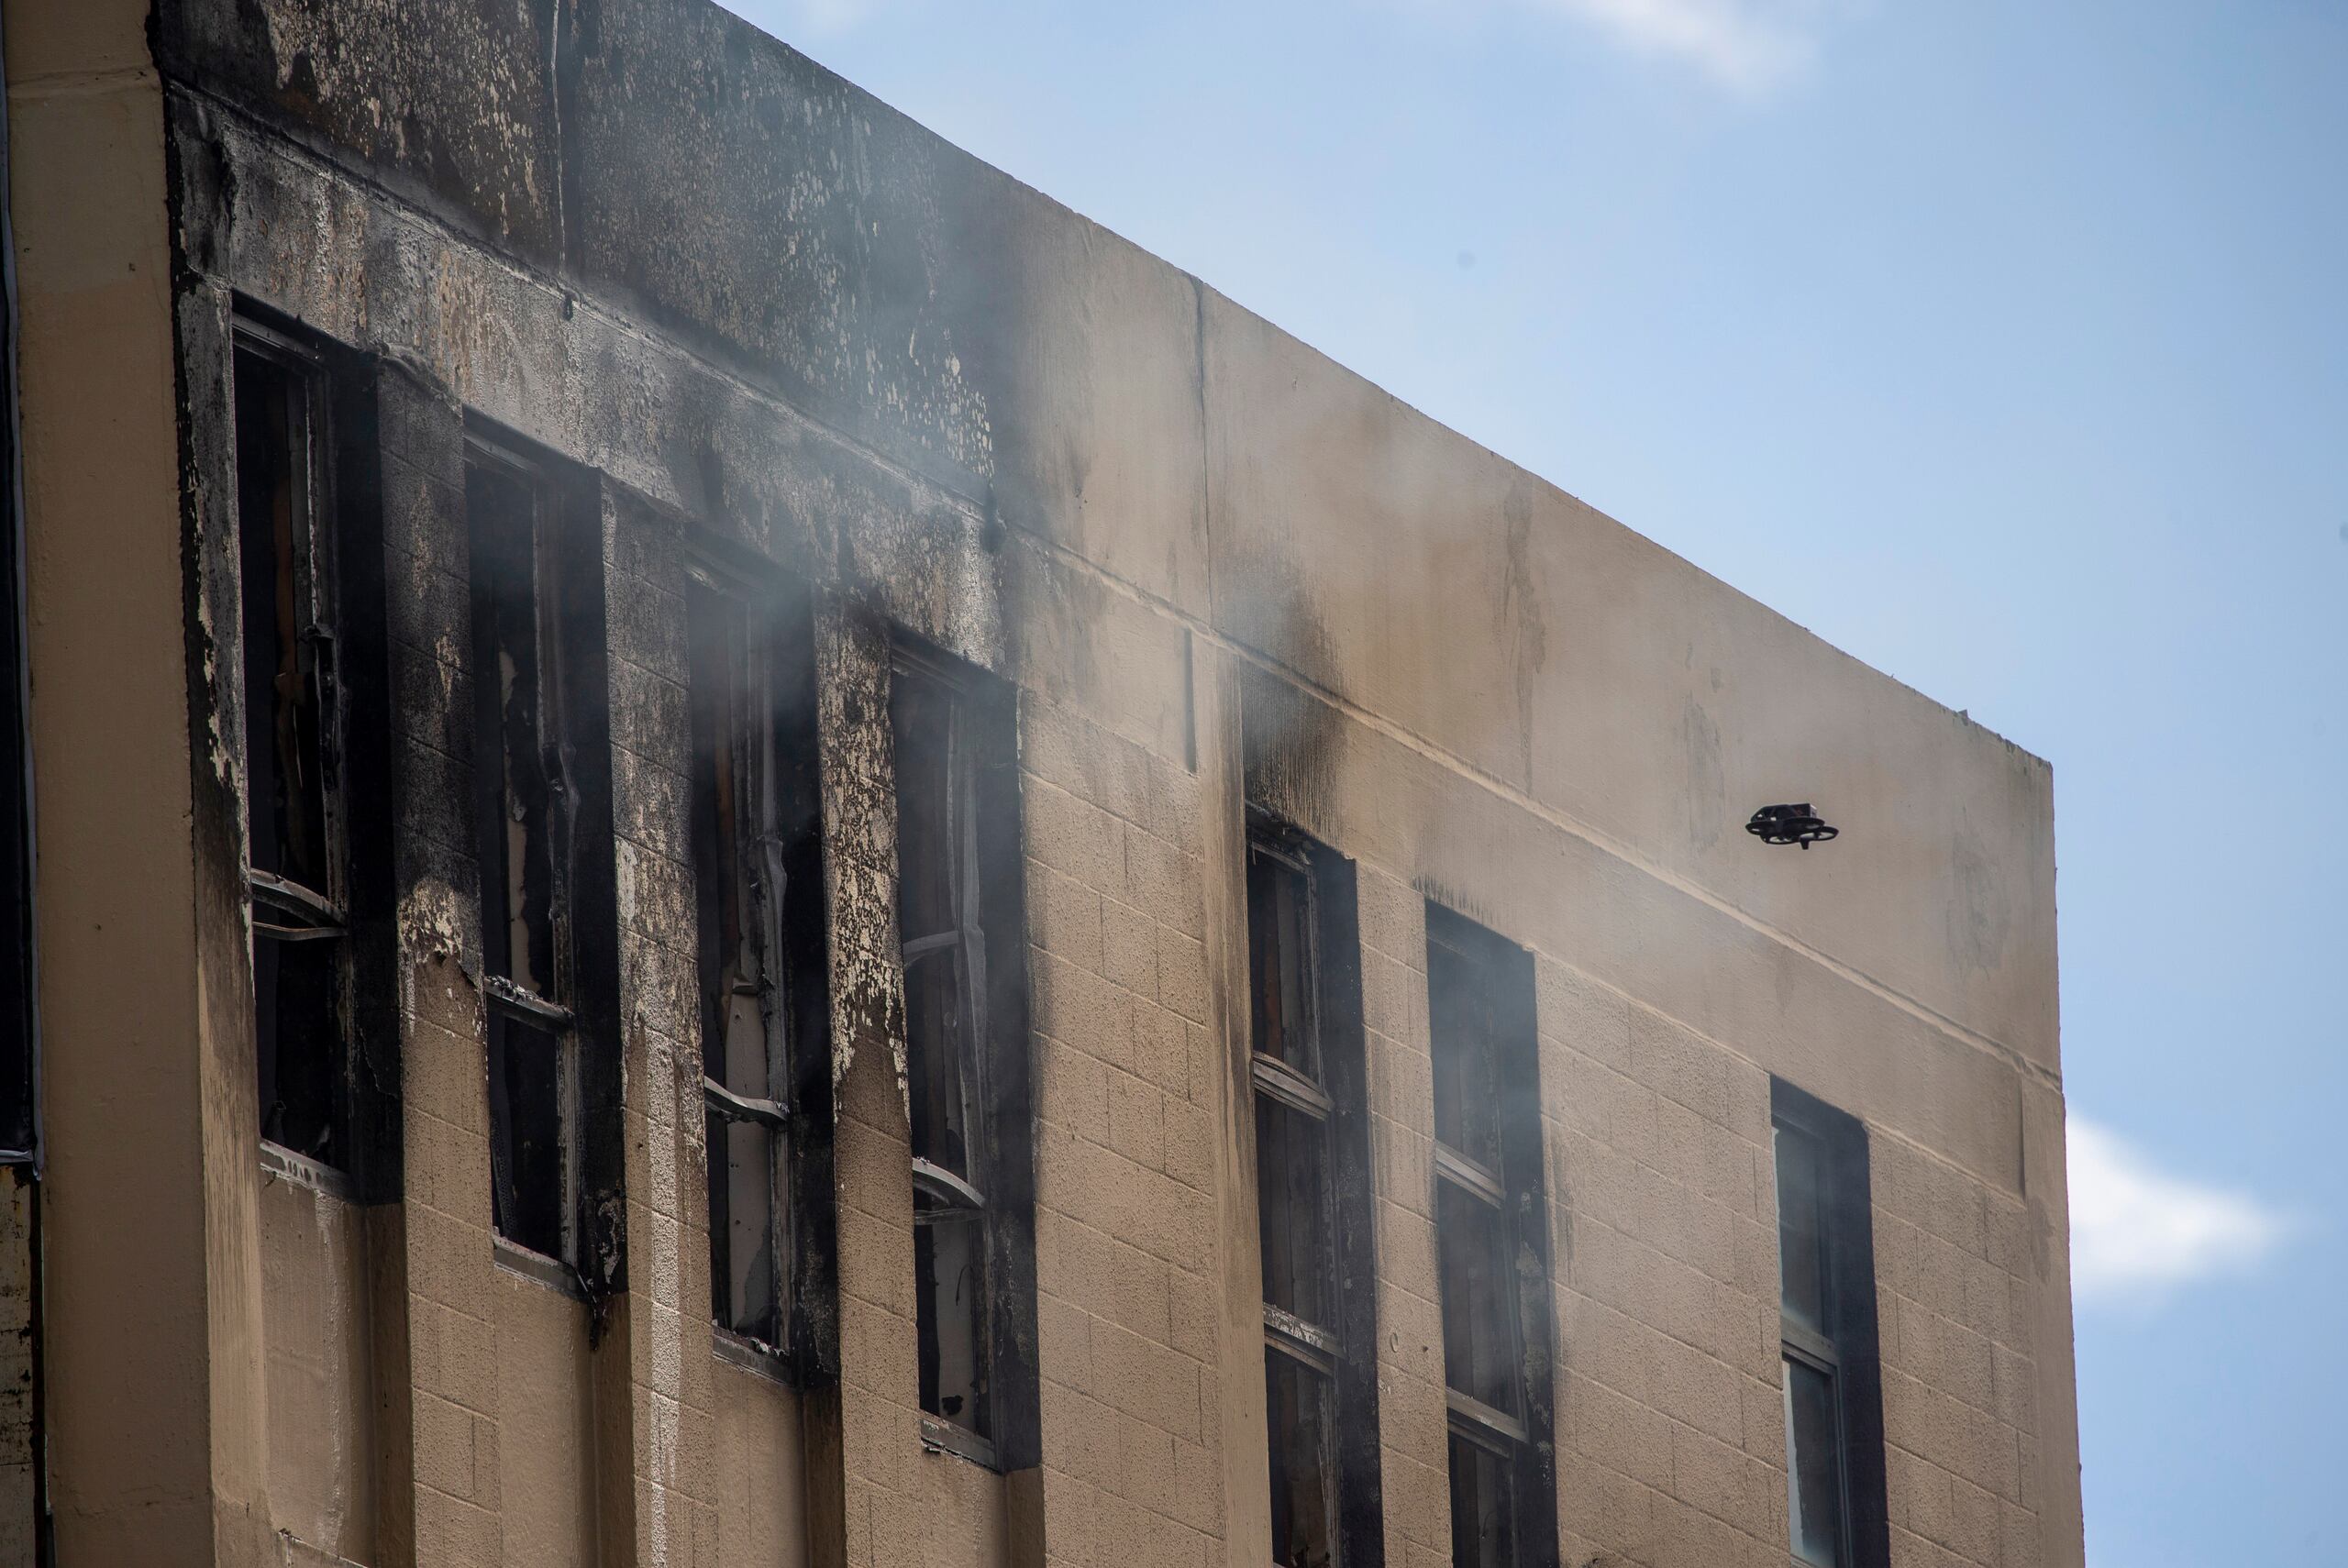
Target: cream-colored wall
pixel 318 1320
pixel 152 1267
pixel 761 1471
pixel 544 1473
pixel 1221 570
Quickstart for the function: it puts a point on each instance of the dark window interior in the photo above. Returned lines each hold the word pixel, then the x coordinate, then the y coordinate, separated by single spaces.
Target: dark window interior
pixel 1483 1504
pixel 1293 1211
pixel 1311 1198
pixel 1300 1423
pixel 301 940
pixel 963 936
pixel 1492 1243
pixel 1478 1280
pixel 1834 1477
pixel 756 847
pixel 1467 1046
pixel 1279 946
pixel 525 807
pixel 939 923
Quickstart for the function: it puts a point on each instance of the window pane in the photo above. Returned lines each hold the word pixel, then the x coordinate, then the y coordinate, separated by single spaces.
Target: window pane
pixel 298 1019
pixel 1463 1012
pixel 935 856
pixel 737 875
pixel 935 1024
pixel 284 759
pixel 1293 1209
pixel 742 1212
pixel 949 1275
pixel 1478 1288
pixel 1801 1245
pixel 1483 1508
pixel 1813 1465
pixel 1280 962
pixel 930 829
pixel 1302 1433
pixel 526 1112
pixel 518 851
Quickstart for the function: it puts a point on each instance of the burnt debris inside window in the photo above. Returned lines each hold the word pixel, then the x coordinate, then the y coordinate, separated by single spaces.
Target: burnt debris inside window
pixel 1835 1482
pixel 293 803
pixel 1491 1241
pixel 1312 1198
pixel 757 871
pixel 524 806
pixel 960 924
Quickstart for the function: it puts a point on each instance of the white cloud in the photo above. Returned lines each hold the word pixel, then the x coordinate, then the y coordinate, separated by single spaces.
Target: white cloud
pixel 1748 44
pixel 2138 1231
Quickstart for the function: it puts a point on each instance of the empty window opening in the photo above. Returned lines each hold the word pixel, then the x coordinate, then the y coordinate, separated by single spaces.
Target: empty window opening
pixel 294 817
pixel 524 805
pixel 757 863
pixel 1491 1241
pixel 959 924
pixel 1832 1392
pixel 1311 1197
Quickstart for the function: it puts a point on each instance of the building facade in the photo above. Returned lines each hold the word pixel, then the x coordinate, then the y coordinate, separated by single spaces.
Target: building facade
pixel 745 849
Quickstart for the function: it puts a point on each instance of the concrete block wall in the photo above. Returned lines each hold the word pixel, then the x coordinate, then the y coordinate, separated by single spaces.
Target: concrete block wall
pixel 1670 1422
pixel 1128 1087
pixel 658 1398
pixel 446 1477
pixel 1412 1419
pixel 1954 1282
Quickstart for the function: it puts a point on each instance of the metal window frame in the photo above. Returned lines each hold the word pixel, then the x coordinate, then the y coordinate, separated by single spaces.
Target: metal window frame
pixel 279 909
pixel 966 939
pixel 318 563
pixel 1282 846
pixel 963 944
pixel 1497 1432
pixel 557 1013
pixel 1821 1353
pixel 1319 1350
pixel 754 694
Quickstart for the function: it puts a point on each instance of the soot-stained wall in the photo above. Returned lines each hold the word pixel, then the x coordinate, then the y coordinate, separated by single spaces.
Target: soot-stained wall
pixel 759 316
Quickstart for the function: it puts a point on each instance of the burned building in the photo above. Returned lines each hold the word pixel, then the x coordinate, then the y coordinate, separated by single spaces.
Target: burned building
pixel 744 849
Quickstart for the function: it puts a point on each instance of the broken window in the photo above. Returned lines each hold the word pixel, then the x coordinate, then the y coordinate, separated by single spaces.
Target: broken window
pixel 524 805
pixel 958 867
pixel 1826 1277
pixel 1311 1192
pixel 756 854
pixel 1491 1241
pixel 293 818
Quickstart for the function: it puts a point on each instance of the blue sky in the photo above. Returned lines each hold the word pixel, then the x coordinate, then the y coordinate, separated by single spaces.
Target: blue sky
pixel 2004 345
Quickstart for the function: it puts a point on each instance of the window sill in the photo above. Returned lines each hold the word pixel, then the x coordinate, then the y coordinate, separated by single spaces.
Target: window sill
pixel 741 1349
pixel 537 1268
pixel 300 1170
pixel 939 1436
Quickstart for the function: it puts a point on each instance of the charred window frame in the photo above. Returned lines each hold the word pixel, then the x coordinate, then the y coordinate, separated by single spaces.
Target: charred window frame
pixel 962 930
pixel 1491 1238
pixel 1311 1109
pixel 542 811
pixel 298 873
pixel 757 863
pixel 1836 1512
